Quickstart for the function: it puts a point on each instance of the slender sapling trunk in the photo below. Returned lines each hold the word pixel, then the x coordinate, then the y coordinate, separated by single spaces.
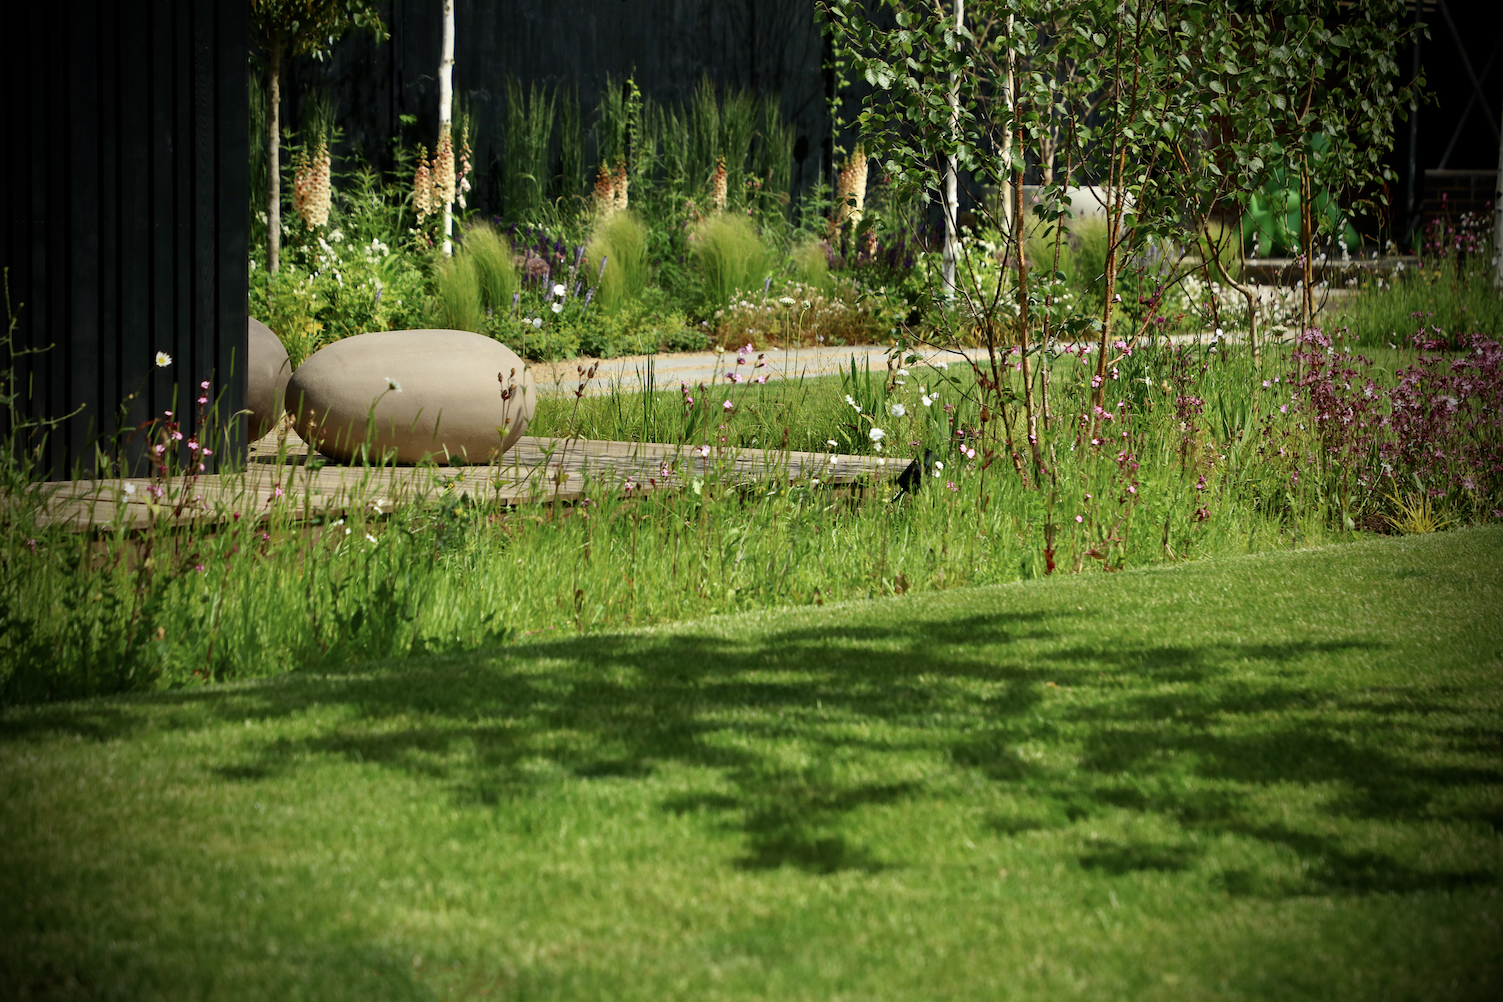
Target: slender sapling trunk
pixel 951 168
pixel 446 109
pixel 273 156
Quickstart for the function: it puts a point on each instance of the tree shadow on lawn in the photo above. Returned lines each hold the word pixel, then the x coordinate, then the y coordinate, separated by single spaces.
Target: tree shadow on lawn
pixel 1171 731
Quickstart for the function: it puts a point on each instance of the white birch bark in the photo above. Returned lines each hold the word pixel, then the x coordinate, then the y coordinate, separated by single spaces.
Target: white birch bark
pixel 274 157
pixel 950 195
pixel 446 108
pixel 1004 187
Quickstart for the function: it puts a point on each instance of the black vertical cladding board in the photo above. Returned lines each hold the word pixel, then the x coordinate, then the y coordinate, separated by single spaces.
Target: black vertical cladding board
pixel 123 211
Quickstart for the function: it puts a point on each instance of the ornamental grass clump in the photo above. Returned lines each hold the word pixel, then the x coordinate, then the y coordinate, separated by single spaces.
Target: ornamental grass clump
pixel 730 255
pixel 458 298
pixel 618 245
pixel 495 268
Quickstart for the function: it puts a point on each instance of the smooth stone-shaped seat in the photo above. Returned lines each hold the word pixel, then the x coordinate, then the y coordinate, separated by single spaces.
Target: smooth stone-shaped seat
pixel 267 371
pixel 408 396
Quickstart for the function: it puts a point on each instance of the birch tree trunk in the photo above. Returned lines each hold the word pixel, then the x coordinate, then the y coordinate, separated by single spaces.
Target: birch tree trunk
pixel 446 109
pixel 951 167
pixel 1004 192
pixel 273 156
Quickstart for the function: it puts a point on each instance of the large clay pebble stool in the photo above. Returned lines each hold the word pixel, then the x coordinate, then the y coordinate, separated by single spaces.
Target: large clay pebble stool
pixel 267 370
pixel 462 396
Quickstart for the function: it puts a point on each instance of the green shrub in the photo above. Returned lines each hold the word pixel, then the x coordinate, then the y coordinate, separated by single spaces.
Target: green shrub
pixel 640 327
pixel 730 255
pixel 621 240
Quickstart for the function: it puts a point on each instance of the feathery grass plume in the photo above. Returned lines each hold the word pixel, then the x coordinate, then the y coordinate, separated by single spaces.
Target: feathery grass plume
pixel 620 240
pixel 495 269
pixel 458 294
pixel 422 187
pixel 850 190
pixel 311 193
pixel 811 264
pixel 718 186
pixel 730 255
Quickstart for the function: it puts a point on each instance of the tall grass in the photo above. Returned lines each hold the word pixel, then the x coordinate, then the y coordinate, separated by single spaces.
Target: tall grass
pixel 457 294
pixel 810 264
pixel 730 255
pixel 620 240
pixel 495 270
pixel 1198 459
pixel 527 174
pixel 1451 296
pixel 571 182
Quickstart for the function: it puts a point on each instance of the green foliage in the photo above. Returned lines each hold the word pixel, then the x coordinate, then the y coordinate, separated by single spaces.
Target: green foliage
pixel 730 255
pixel 572 183
pixel 331 288
pixel 526 174
pixel 620 240
pixel 1271 225
pixel 495 270
pixel 640 326
pixel 459 302
pixel 310 27
pixel 810 264
pixel 1448 297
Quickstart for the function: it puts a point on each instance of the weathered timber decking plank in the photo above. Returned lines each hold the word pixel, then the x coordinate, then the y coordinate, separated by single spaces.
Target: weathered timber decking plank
pixel 536 470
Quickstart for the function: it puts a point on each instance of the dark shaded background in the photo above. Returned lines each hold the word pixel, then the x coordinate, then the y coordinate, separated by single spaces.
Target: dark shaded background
pixel 768 46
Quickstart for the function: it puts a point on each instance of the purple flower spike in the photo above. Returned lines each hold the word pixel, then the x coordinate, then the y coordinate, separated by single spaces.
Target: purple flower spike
pixel 603 259
pixel 587 297
pixel 767 284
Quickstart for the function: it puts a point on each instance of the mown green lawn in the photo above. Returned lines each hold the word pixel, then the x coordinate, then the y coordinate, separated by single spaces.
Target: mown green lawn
pixel 1273 777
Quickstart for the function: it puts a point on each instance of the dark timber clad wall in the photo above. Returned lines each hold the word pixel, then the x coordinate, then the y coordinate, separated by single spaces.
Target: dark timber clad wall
pixel 123 220
pixel 771 46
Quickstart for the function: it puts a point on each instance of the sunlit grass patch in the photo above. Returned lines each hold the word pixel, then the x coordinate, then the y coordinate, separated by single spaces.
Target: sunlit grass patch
pixel 1271 775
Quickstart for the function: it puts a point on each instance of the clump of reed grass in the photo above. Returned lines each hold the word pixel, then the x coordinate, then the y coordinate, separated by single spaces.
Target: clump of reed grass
pixel 620 241
pixel 526 177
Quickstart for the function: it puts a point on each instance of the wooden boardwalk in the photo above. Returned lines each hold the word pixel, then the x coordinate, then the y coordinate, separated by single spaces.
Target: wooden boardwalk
pixel 280 478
